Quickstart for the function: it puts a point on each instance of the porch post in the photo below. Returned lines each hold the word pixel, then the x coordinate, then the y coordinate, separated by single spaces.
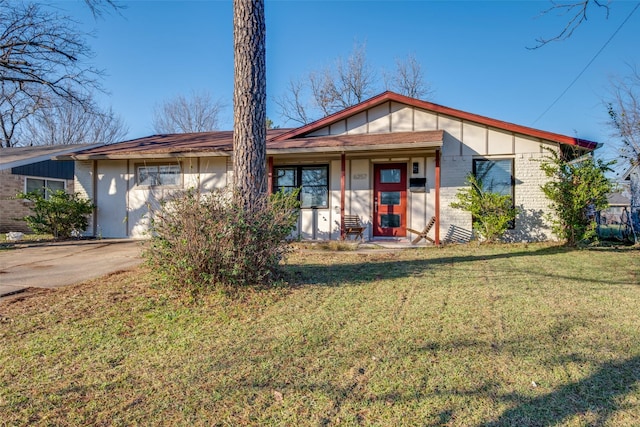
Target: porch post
pixel 270 175
pixel 342 193
pixel 437 203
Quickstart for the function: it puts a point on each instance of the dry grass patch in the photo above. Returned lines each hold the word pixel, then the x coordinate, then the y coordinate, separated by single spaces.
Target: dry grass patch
pixel 463 335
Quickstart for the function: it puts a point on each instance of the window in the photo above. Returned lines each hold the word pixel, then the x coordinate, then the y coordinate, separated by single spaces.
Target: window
pixel 153 175
pixel 496 176
pixel 43 186
pixel 313 182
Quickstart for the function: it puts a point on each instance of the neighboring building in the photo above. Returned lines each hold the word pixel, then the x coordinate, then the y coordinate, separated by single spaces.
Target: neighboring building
pixel 25 169
pixel 394 161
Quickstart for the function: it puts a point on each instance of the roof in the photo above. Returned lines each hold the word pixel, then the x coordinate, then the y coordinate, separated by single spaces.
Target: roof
pixel 618 199
pixel 439 109
pixel 281 141
pixel 13 157
pixel 359 142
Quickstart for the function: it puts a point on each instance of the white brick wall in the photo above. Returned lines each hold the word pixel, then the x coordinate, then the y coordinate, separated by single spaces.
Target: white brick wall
pixel 531 223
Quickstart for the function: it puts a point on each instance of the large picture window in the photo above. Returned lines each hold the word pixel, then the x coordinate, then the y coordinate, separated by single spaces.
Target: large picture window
pixel 313 182
pixel 43 186
pixel 496 176
pixel 160 174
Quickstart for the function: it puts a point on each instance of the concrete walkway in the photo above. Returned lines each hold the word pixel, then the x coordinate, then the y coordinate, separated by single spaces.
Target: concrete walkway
pixel 51 265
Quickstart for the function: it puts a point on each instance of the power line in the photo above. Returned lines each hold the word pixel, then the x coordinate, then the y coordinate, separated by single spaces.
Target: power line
pixel 586 66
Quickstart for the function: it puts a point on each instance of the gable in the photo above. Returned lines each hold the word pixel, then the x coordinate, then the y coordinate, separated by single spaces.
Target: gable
pixel 391 112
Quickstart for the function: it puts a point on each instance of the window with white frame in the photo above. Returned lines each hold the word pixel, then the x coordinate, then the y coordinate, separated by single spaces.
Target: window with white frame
pixel 313 182
pixel 44 186
pixel 158 174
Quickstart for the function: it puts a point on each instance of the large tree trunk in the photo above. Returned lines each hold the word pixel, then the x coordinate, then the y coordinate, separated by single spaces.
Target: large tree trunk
pixel 249 102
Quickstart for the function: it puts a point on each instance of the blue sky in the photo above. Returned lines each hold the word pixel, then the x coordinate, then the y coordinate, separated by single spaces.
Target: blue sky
pixel 474 54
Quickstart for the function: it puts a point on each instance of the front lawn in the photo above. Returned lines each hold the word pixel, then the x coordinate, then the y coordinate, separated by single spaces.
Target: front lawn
pixel 505 335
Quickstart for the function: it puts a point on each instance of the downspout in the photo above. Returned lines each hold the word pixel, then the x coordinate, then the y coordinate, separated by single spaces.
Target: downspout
pixel 437 231
pixel 342 193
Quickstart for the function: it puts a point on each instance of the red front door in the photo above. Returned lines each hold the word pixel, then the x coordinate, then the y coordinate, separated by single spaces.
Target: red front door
pixel 390 200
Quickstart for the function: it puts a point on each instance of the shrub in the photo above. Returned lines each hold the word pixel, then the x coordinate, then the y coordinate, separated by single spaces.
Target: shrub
pixel 577 189
pixel 60 214
pixel 492 213
pixel 202 240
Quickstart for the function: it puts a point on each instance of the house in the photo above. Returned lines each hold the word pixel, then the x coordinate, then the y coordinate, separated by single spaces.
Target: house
pixel 26 169
pixel 396 162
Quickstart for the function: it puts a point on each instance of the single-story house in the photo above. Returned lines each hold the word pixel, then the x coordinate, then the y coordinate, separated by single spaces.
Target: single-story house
pixel 27 169
pixel 393 161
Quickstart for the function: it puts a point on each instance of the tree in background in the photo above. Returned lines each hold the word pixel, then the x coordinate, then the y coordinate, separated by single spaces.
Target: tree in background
pixel 197 113
pixel 349 82
pixel 408 79
pixel 43 62
pixel 577 189
pixel 624 110
pixel 69 123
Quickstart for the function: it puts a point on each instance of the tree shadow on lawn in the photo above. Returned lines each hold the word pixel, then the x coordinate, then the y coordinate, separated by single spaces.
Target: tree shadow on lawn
pixel 383 266
pixel 598 394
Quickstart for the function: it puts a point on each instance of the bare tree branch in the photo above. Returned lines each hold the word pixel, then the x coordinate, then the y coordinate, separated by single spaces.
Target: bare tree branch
pixel 197 113
pixel 291 104
pixel 408 79
pixel 577 11
pixel 69 123
pixel 624 111
pixel 43 51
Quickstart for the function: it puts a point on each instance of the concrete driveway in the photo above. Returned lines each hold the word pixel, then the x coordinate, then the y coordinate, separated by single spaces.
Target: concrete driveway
pixel 51 265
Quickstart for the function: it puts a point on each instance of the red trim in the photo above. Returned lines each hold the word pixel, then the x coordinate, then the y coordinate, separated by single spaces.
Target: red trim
pixel 342 194
pixel 437 201
pixel 392 96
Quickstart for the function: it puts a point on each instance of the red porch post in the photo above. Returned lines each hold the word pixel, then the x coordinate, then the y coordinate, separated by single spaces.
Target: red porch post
pixel 270 175
pixel 437 203
pixel 342 193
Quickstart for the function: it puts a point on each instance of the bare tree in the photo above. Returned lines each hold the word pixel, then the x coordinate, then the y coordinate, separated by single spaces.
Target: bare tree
pixel 249 103
pixel 15 109
pixel 349 82
pixel 40 50
pixel 408 79
pixel 355 79
pixel 69 123
pixel 624 110
pixel 577 13
pixel 197 113
pixel 42 62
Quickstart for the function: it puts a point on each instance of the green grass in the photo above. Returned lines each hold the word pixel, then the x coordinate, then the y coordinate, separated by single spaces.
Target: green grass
pixel 505 335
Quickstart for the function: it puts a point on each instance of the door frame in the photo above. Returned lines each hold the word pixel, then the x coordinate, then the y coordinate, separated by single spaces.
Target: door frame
pixel 402 208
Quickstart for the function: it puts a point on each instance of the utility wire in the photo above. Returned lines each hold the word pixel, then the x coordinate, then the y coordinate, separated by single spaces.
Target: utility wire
pixel 586 66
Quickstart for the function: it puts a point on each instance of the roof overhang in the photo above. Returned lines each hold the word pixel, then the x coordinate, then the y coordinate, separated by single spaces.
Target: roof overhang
pixel 359 143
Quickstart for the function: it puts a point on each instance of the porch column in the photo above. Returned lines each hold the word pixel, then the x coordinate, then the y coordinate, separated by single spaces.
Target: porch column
pixel 437 203
pixel 270 175
pixel 342 193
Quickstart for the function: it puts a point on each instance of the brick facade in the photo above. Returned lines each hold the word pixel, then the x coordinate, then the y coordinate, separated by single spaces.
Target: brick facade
pixel 12 208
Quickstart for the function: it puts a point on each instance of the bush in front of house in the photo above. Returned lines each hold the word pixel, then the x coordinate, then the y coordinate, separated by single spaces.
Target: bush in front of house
pixel 59 213
pixel 492 213
pixel 577 189
pixel 207 240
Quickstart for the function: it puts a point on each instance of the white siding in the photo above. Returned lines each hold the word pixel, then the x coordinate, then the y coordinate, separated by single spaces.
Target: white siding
pixel 500 142
pixel 379 120
pixel 425 120
pixel 474 139
pixel 401 118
